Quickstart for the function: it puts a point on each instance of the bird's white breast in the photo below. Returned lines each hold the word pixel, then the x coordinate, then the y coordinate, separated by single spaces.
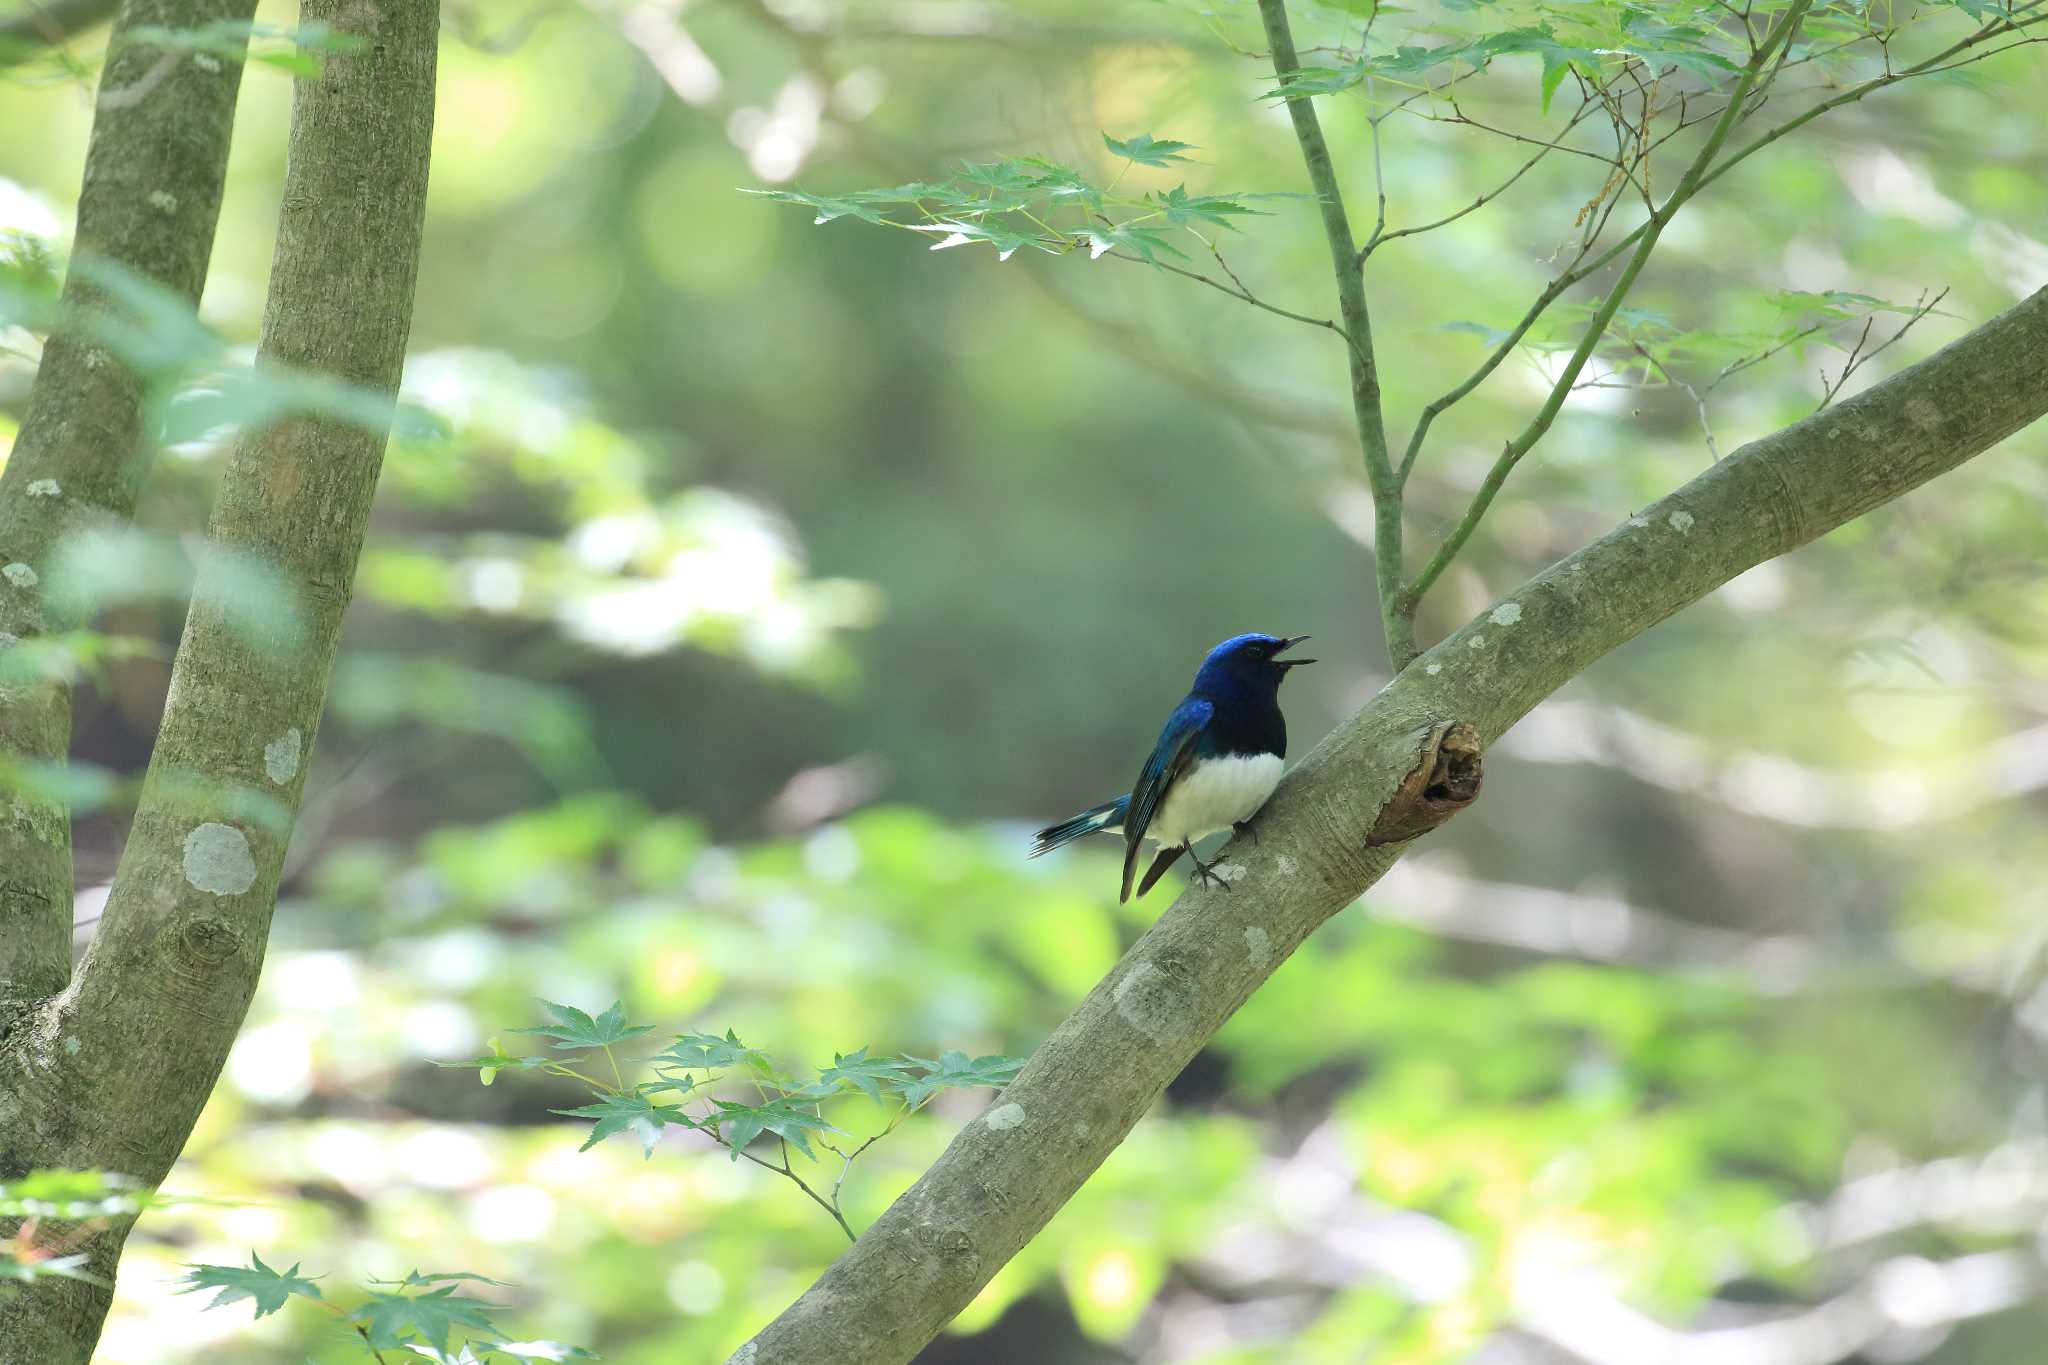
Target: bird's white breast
pixel 1214 794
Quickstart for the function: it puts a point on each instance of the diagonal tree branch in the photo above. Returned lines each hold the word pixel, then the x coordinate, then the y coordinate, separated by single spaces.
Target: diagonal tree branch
pixel 1320 837
pixel 1348 267
pixel 112 1073
pixel 149 204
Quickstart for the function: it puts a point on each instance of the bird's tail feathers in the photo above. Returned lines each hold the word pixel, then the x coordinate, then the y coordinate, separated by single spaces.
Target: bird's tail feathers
pixel 1108 815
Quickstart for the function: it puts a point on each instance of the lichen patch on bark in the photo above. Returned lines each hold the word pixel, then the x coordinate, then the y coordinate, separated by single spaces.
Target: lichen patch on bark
pixel 281 756
pixel 217 859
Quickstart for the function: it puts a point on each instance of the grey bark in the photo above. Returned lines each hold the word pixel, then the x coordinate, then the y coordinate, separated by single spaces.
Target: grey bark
pixel 112 1073
pixel 1319 843
pixel 149 203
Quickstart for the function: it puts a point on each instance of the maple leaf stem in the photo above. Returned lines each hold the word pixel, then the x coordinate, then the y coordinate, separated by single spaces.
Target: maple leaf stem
pixel 368 1345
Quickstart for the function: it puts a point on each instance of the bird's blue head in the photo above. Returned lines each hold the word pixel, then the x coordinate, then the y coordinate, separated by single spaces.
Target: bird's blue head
pixel 1247 666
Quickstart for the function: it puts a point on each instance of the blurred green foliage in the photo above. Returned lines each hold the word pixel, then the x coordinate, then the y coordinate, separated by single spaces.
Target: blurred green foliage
pixel 743 591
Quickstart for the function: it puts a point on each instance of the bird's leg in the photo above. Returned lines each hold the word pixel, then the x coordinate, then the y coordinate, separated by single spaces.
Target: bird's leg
pixel 1204 872
pixel 1246 827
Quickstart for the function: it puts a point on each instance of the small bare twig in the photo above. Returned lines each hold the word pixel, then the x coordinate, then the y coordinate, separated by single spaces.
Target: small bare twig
pixel 1381 238
pixel 1699 399
pixel 1239 292
pixel 1859 357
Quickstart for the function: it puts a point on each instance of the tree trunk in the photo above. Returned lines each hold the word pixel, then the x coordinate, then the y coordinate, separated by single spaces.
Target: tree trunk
pixel 1342 817
pixel 113 1072
pixel 148 204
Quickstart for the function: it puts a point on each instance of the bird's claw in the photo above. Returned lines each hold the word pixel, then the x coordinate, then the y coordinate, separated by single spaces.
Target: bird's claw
pixel 1205 873
pixel 1246 827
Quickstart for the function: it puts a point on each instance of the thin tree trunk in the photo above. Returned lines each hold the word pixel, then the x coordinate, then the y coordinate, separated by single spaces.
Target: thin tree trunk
pixel 1390 772
pixel 149 204
pixel 112 1073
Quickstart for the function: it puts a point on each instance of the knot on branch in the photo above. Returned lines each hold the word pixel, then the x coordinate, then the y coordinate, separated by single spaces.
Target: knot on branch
pixel 1444 781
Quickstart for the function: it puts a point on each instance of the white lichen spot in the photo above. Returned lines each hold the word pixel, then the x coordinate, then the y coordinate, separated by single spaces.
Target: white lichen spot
pixel 217 860
pixel 206 61
pixel 1506 614
pixel 163 201
pixel 1476 642
pixel 281 756
pixel 71 1047
pixel 1228 872
pixel 1433 669
pixel 1286 865
pixel 1681 522
pixel 1004 1116
pixel 1638 521
pixel 1083 1129
pixel 1149 1001
pixel 743 1356
pixel 20 575
pixel 44 488
pixel 1257 945
pixel 1922 413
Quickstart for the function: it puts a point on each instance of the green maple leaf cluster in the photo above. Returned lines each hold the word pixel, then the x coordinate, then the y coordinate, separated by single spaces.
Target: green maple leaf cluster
pixel 1032 202
pixel 425 1313
pixel 786 1107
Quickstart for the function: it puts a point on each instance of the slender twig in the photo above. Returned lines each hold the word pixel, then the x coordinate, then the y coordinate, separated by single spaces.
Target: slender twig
pixel 1828 390
pixel 1240 293
pixel 1940 61
pixel 1380 238
pixel 1459 116
pixel 1858 357
pixel 1732 368
pixel 1699 399
pixel 785 1170
pixel 1397 628
pixel 370 1346
pixel 1211 385
pixel 1735 367
pixel 1646 242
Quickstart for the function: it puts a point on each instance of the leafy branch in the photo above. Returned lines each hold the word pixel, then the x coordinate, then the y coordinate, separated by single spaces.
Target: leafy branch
pixel 1970 48
pixel 422 1314
pixel 1646 350
pixel 695 1064
pixel 1638 65
pixel 1032 202
pixel 1646 243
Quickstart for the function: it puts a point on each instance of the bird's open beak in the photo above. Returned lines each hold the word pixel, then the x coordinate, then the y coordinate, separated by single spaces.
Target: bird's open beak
pixel 1289 644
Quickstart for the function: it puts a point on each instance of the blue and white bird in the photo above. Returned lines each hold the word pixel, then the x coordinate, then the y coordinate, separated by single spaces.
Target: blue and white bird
pixel 1214 765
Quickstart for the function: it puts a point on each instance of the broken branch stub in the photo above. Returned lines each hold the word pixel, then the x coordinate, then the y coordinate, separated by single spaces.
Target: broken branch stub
pixel 1443 782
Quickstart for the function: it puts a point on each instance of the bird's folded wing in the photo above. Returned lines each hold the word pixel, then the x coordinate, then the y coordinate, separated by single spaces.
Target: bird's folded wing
pixel 1170 758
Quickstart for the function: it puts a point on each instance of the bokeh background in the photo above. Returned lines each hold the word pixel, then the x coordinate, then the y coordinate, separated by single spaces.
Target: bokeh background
pixel 776 579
